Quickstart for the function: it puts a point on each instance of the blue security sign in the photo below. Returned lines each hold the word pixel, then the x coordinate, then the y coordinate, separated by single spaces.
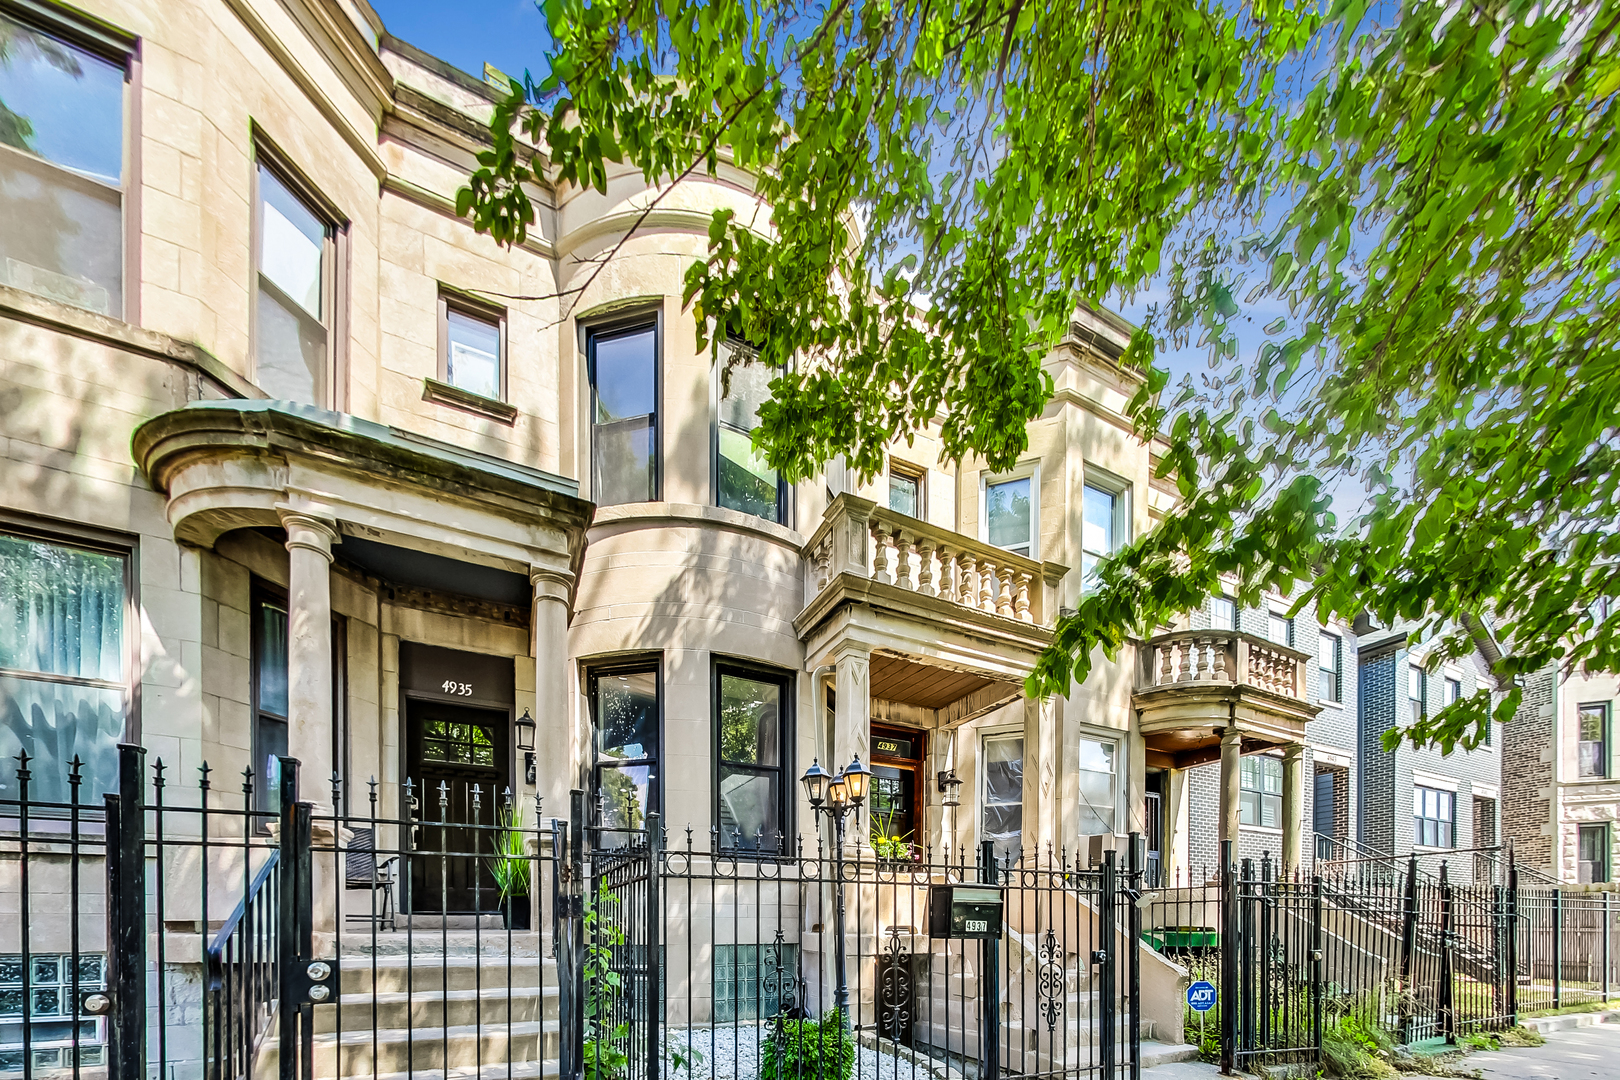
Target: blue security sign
pixel 1201 996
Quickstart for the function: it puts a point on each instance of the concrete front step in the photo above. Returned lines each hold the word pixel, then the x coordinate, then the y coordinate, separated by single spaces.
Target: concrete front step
pixel 1154 1053
pixel 443 942
pixel 412 1050
pixel 519 1070
pixel 362 975
pixel 426 1008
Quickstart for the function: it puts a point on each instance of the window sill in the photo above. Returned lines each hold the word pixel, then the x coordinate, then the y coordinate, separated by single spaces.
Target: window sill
pixel 1420 849
pixel 1327 704
pixel 1264 830
pixel 442 393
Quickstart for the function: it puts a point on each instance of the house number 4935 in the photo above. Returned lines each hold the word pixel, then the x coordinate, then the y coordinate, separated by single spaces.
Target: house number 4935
pixel 459 689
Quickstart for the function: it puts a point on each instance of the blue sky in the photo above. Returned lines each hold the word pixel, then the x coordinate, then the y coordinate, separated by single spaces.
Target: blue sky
pixel 511 34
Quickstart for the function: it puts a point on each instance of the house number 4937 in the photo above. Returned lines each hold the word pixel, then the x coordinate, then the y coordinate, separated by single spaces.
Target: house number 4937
pixel 459 689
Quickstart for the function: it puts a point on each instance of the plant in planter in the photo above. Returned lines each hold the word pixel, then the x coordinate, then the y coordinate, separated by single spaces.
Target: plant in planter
pixel 809 1049
pixel 511 868
pixel 888 844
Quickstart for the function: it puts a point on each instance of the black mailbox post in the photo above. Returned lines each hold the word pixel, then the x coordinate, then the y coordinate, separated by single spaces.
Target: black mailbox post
pixel 964 911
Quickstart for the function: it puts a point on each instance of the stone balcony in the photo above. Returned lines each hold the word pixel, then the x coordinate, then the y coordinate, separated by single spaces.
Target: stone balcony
pixel 904 586
pixel 1194 685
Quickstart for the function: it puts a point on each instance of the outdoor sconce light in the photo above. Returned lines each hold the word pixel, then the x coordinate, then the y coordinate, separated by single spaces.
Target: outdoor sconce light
pixel 816 780
pixel 951 786
pixel 856 775
pixel 523 728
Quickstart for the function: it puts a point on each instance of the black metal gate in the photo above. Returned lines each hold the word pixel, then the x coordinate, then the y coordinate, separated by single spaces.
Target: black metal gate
pixel 1274 959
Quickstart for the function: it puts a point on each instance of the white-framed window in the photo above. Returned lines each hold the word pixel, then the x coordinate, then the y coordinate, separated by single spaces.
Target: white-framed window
pixel 295 325
pixel 1330 667
pixel 1592 740
pixel 63 162
pixel 1105 523
pixel 1280 628
pixel 1010 508
pixel 1260 783
pixel 1222 613
pixel 1002 795
pixel 64 663
pixel 1098 777
pixel 1417 687
pixel 1434 816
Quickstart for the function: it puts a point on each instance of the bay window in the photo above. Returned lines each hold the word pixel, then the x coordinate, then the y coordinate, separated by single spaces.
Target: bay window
pixel 1105 527
pixel 751 736
pixel 622 364
pixel 744 481
pixel 626 723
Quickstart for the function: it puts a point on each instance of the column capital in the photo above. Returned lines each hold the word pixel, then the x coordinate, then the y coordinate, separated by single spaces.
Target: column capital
pixel 550 584
pixel 1294 752
pixel 851 650
pixel 308 529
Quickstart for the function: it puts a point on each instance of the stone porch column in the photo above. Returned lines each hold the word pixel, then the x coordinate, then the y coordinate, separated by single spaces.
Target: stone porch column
pixel 309 652
pixel 1293 808
pixel 555 770
pixel 852 727
pixel 1231 790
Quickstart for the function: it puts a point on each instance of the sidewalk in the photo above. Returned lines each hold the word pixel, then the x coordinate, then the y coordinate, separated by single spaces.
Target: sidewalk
pixel 1586 1053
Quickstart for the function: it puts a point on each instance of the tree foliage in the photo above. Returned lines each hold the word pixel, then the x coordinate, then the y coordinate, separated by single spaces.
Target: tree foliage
pixel 1422 195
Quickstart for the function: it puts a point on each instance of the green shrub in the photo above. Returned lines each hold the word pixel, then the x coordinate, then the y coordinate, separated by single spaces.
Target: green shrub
pixel 809 1050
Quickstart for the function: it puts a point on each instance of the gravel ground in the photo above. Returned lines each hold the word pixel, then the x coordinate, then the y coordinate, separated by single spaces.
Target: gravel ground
pixel 732 1053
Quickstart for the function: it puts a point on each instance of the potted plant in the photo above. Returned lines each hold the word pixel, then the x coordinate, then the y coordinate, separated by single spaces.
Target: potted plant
pixel 511 869
pixel 889 845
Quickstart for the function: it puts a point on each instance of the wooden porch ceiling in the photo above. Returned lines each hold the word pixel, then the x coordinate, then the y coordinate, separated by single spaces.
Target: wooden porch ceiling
pixel 895 678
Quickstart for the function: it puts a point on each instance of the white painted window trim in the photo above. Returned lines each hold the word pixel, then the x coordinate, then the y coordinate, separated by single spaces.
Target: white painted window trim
pixel 1031 469
pixel 1434 780
pixel 1485 791
pixel 1330 755
pixel 1000 731
pixel 1117 486
pixel 1121 769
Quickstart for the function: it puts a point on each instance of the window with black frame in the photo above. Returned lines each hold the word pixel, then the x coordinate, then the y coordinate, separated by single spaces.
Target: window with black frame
pixel 625 725
pixel 270 710
pixel 63 686
pixel 751 738
pixel 623 369
pixel 744 481
pixel 1434 816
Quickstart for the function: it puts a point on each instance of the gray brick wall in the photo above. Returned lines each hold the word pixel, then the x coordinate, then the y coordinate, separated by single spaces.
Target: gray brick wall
pixel 1387 777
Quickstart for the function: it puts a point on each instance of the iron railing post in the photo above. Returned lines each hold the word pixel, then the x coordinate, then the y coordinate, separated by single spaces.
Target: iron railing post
pixel 1408 947
pixel 1445 1002
pixel 1317 961
pixel 1512 920
pixel 654 965
pixel 1108 995
pixel 1249 898
pixel 1605 997
pixel 1558 947
pixel 1229 996
pixel 990 1018
pixel 304 895
pixel 289 925
pixel 1133 942
pixel 126 917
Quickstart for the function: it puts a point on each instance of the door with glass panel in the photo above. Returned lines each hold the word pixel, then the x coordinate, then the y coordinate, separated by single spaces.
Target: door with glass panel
pixel 459 763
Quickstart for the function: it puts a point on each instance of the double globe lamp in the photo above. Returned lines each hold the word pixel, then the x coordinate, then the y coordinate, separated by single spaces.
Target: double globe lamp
pixel 836 797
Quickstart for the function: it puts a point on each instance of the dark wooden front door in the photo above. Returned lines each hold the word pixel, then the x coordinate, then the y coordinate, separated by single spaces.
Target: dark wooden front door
pixel 458 760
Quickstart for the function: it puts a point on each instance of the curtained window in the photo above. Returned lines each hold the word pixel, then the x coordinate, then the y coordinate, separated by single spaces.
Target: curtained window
pixel 63 686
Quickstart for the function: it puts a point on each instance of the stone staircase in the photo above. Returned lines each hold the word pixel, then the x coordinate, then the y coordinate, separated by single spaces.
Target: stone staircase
pixel 436 1006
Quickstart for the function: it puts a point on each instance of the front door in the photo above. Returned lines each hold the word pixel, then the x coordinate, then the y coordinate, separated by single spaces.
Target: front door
pixel 458 761
pixel 896 805
pixel 1153 821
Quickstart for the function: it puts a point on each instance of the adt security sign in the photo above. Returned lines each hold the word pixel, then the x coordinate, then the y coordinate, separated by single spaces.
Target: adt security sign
pixel 1201 996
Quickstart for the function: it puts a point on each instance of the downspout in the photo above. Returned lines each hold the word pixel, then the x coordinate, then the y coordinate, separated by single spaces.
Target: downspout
pixel 823 734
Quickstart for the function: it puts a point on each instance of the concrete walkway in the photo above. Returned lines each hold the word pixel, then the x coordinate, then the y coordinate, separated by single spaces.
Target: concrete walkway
pixel 1584 1053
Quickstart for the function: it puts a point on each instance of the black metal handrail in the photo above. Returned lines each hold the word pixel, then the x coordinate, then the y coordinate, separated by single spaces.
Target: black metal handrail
pixel 243 975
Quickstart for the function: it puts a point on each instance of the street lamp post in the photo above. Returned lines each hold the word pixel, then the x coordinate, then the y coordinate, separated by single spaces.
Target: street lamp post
pixel 836 797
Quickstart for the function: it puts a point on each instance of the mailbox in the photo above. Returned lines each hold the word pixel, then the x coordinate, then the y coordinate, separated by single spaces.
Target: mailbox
pixel 964 911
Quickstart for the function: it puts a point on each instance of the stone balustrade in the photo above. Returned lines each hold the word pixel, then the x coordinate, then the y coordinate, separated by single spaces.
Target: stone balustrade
pixel 861 538
pixel 1202 657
